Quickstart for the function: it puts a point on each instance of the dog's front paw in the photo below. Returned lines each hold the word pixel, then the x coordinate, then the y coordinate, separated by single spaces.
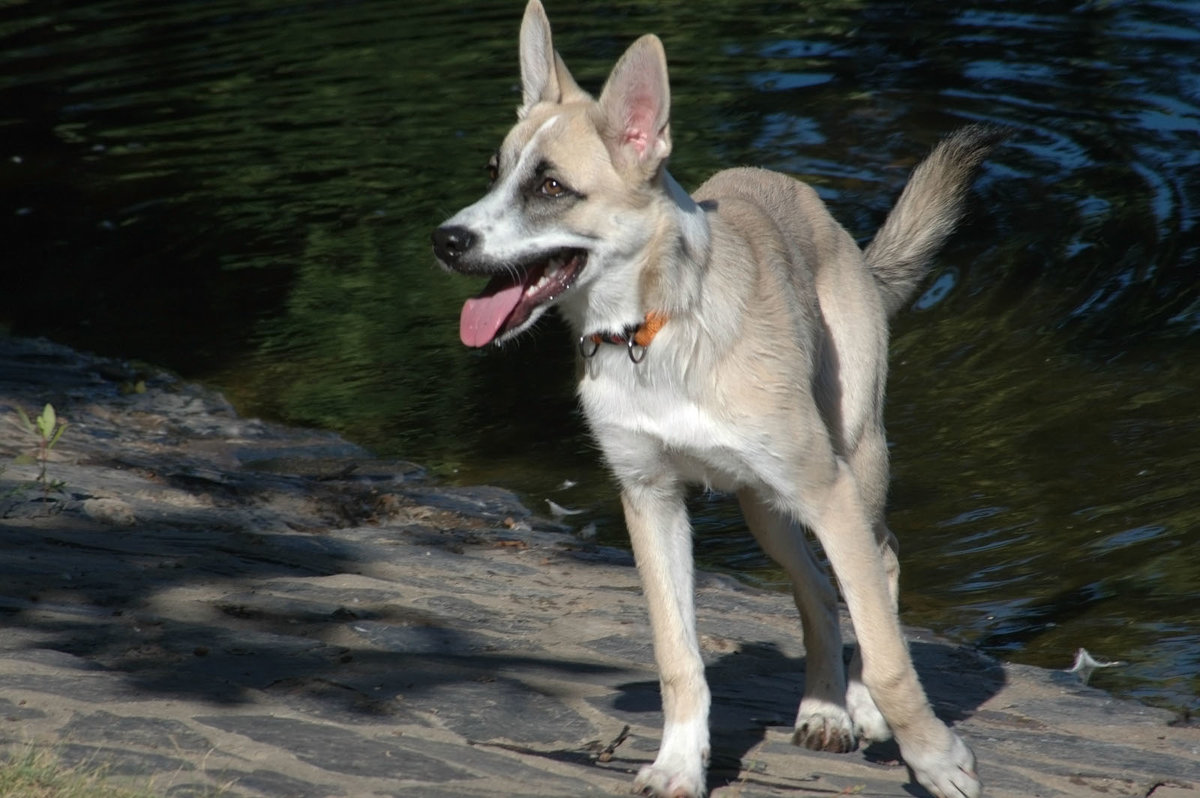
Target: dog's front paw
pixel 678 770
pixel 663 782
pixel 947 773
pixel 822 726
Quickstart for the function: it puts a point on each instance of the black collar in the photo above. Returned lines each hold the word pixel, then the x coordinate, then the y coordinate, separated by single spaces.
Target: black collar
pixel 635 337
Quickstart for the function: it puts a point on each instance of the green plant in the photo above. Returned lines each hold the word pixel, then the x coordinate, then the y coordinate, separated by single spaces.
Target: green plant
pixel 38 773
pixel 48 428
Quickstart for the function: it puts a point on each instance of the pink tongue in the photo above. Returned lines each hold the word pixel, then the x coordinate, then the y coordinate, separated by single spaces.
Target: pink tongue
pixel 482 317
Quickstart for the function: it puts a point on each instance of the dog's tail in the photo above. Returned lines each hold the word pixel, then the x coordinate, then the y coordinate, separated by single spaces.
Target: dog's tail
pixel 927 212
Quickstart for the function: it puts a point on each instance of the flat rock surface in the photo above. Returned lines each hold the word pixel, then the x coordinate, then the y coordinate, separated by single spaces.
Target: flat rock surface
pixel 216 605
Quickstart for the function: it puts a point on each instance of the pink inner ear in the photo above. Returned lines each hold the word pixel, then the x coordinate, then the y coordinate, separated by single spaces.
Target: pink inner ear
pixel 638 140
pixel 639 123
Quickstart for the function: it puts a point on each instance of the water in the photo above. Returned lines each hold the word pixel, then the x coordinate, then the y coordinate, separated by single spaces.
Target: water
pixel 243 191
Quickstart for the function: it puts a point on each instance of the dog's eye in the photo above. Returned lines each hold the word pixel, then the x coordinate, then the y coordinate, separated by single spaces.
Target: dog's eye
pixel 493 172
pixel 552 188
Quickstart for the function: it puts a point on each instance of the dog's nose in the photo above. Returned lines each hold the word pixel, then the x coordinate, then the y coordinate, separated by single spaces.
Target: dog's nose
pixel 449 243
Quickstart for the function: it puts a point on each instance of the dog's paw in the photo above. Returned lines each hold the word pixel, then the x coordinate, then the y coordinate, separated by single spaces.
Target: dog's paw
pixel 661 782
pixel 822 726
pixel 869 723
pixel 946 773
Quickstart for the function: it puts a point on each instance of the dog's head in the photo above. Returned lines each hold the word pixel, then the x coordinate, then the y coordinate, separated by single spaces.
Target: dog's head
pixel 569 186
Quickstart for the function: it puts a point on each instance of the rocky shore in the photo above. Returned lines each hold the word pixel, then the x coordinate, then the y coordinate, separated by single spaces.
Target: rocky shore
pixel 217 605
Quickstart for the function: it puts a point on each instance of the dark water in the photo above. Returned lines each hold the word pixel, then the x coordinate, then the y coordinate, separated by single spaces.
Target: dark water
pixel 243 191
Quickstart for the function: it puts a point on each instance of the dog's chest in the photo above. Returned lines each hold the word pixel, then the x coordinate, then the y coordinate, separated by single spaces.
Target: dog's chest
pixel 638 414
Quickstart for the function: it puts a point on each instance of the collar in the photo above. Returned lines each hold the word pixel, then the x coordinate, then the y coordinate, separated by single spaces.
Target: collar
pixel 635 337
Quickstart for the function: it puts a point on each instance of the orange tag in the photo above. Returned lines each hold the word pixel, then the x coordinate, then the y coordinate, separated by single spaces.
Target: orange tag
pixel 650 327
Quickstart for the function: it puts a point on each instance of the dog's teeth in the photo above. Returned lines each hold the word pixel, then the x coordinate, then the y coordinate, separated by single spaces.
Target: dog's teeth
pixel 554 264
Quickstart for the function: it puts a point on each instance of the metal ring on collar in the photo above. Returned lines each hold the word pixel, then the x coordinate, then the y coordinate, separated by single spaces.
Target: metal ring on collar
pixel 584 340
pixel 637 353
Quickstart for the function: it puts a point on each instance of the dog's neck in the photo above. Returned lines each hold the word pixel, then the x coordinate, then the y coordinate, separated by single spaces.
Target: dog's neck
pixel 664 277
pixel 682 252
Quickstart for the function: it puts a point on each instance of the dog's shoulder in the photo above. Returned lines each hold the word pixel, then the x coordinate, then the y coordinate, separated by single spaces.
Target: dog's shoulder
pixel 773 192
pixel 761 204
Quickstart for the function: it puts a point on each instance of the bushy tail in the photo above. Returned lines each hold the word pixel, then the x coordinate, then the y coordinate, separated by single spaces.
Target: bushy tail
pixel 927 212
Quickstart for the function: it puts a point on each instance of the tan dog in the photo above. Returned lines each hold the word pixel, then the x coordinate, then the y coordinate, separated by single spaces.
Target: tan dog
pixel 738 339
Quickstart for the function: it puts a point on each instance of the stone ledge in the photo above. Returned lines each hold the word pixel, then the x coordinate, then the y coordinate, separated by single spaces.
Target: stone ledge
pixel 209 601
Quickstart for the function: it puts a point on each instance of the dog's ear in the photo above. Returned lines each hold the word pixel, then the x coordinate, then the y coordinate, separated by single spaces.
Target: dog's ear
pixel 544 76
pixel 636 107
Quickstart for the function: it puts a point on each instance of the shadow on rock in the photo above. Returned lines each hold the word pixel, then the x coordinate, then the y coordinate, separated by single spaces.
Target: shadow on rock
pixel 758 688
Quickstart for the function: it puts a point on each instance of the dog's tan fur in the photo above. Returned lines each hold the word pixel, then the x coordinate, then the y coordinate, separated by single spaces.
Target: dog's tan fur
pixel 767 378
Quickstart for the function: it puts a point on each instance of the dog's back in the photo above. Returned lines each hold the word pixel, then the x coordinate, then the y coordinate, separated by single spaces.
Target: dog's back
pixel 834 345
pixel 902 250
pixel 838 297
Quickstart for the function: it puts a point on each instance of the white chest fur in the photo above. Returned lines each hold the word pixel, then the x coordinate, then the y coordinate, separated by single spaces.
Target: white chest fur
pixel 649 416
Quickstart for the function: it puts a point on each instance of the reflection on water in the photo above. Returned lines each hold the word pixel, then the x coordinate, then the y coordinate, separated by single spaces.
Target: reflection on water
pixel 244 191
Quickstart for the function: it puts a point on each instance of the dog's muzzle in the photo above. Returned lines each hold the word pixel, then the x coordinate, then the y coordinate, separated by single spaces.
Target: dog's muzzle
pixel 517 291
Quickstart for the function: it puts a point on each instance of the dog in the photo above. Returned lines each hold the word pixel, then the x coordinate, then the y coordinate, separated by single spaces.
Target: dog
pixel 735 338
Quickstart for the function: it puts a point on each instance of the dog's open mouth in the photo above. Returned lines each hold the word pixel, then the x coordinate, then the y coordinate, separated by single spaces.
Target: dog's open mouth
pixel 511 297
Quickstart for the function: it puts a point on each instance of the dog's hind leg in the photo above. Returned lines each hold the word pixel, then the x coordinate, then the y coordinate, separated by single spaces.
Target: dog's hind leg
pixel 662 546
pixel 822 722
pixel 869 462
pixel 830 503
pixel 869 723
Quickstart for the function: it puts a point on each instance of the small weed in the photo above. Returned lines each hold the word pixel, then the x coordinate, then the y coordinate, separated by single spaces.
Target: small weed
pixel 31 771
pixel 37 773
pixel 47 428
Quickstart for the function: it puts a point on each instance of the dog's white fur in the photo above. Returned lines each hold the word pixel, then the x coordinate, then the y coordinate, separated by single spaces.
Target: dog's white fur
pixel 767 379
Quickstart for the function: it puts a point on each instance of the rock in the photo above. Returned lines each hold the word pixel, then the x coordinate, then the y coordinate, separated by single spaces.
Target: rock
pixel 109 511
pixel 209 603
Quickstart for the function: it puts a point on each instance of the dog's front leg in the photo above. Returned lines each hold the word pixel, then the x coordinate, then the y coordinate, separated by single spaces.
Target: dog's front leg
pixel 662 545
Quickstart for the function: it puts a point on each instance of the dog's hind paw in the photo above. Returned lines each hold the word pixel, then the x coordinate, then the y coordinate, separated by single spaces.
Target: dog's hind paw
pixel 662 783
pixel 869 723
pixel 825 728
pixel 948 773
